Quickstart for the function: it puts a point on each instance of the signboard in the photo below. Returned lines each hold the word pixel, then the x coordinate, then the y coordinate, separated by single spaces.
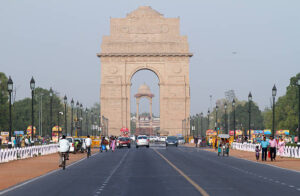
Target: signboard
pixel 283 132
pixel 4 137
pixel 210 132
pixel 18 133
pixel 237 132
pixel 29 128
pixel 267 131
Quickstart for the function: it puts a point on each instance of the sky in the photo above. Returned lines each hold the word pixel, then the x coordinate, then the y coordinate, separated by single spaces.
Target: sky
pixel 239 45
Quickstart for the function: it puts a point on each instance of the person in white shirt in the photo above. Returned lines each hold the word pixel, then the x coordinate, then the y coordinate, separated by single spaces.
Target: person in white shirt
pixel 64 146
pixel 88 143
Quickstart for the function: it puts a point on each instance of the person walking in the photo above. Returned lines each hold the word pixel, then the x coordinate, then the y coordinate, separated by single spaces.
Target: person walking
pixel 88 143
pixel 196 141
pixel 273 146
pixel 281 146
pixel 103 144
pixel 113 143
pixel 264 149
pixel 26 142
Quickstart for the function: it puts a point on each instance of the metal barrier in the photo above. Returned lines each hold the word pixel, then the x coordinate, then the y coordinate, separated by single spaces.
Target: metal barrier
pixel 7 155
pixel 288 151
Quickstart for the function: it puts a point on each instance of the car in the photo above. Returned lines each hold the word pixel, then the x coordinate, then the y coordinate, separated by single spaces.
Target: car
pixel 181 140
pixel 162 138
pixel 72 142
pixel 124 142
pixel 142 140
pixel 172 140
pixel 153 138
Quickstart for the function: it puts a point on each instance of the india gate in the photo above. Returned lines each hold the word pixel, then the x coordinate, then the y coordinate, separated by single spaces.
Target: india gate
pixel 145 40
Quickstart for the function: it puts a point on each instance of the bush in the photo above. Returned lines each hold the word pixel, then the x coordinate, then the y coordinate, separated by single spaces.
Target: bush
pixel 291 144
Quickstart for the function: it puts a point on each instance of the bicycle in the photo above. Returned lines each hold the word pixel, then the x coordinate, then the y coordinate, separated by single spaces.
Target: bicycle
pixel 64 158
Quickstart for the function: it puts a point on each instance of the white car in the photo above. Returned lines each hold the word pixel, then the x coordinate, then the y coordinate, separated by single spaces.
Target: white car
pixel 71 141
pixel 142 140
pixel 153 138
pixel 181 140
pixel 162 138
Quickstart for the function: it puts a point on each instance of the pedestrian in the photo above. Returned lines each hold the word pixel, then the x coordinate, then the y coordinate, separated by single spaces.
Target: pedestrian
pixel 257 152
pixel 281 146
pixel 26 142
pixel 273 146
pixel 264 149
pixel 113 143
pixel 103 144
pixel 196 141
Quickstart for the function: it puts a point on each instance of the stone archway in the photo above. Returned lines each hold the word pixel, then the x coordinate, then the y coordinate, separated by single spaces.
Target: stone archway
pixel 145 39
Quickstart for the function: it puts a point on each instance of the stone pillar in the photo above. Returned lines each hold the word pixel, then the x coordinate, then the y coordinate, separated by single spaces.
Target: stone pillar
pixel 151 119
pixel 137 112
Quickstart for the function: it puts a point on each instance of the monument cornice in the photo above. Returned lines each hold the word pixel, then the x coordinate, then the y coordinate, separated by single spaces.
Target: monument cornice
pixel 144 55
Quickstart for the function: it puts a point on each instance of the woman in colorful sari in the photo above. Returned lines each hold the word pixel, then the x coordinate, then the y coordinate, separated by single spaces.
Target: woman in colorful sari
pixel 281 146
pixel 113 143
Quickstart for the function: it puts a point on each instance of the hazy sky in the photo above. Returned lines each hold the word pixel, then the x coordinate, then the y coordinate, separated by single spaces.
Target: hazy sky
pixel 240 45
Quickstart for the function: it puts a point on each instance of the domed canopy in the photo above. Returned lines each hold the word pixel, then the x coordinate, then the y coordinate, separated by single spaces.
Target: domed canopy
pixel 144 90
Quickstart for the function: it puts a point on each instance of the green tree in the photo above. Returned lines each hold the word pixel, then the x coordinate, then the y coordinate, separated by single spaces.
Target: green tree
pixel 286 109
pixel 22 112
pixel 4 104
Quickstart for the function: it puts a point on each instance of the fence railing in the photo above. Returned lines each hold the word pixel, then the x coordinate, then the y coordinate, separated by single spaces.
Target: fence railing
pixel 288 151
pixel 7 155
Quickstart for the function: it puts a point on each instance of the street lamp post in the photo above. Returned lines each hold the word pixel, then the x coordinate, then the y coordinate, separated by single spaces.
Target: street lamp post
pixel 66 125
pixel 32 87
pixel 58 119
pixel 72 108
pixel 197 124
pixel 298 83
pixel 233 107
pixel 201 125
pixel 77 118
pixel 86 121
pixel 51 103
pixel 208 116
pixel 92 123
pixel 10 89
pixel 249 103
pixel 81 118
pixel 225 118
pixel 216 123
pixel 274 92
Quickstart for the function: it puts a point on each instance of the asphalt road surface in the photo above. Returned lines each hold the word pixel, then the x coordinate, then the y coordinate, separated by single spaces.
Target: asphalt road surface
pixel 160 171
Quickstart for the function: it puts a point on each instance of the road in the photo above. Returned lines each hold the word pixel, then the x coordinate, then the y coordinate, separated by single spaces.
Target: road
pixel 160 171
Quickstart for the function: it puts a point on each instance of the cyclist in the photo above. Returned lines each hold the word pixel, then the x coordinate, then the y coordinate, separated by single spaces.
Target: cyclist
pixel 64 146
pixel 88 143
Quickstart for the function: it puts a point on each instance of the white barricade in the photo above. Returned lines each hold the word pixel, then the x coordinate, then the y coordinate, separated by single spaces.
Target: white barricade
pixel 7 155
pixel 288 151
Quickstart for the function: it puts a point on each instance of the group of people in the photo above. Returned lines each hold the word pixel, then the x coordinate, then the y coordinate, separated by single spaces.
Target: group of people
pixel 64 147
pixel 273 145
pixel 108 143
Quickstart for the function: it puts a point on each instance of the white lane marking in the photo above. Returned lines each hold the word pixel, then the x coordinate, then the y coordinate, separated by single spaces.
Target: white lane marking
pixel 39 177
pixel 111 174
pixel 247 172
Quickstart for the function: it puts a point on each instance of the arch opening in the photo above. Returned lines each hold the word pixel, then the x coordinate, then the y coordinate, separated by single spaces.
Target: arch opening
pixel 145 102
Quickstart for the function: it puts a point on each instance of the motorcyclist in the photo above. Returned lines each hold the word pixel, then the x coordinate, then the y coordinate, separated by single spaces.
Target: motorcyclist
pixel 64 147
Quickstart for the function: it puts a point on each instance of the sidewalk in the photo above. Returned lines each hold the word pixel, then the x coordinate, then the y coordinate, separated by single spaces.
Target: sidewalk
pixel 15 172
pixel 287 163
